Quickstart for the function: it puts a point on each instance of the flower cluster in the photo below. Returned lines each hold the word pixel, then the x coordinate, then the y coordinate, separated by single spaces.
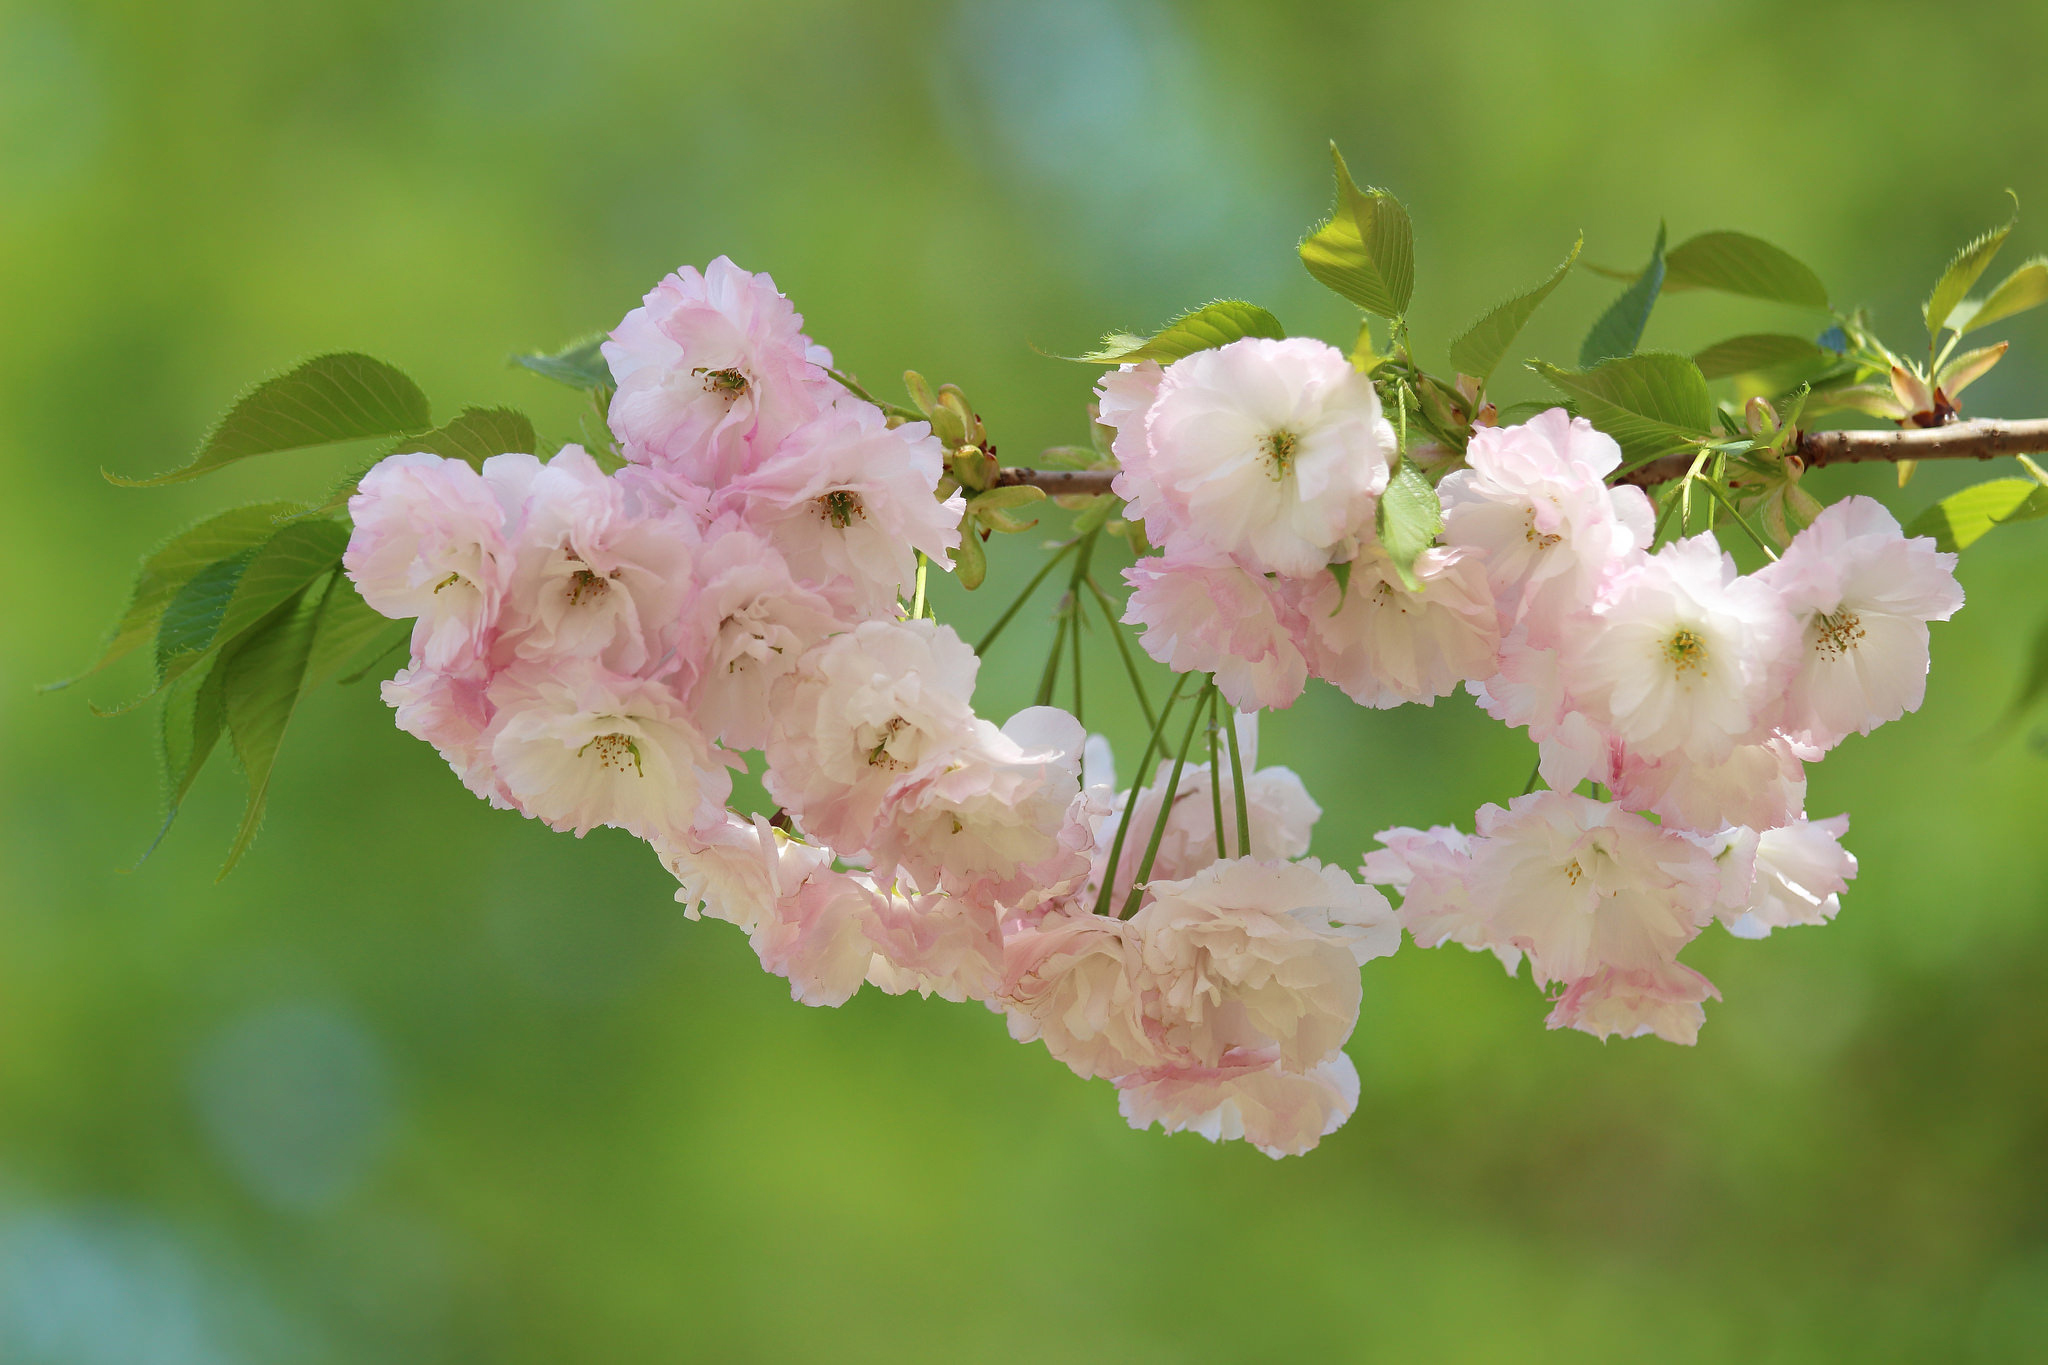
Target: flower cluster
pixel 601 648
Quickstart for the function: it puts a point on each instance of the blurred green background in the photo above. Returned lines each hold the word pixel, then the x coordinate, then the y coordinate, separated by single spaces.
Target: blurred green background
pixel 425 1082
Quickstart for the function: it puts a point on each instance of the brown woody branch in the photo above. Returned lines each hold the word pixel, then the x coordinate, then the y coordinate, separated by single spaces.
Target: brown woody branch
pixel 1979 440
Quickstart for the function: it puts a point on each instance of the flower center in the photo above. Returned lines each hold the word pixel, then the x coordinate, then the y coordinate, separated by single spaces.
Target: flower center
pixel 1686 651
pixel 1835 636
pixel 450 581
pixel 1573 872
pixel 1280 447
pixel 840 507
pixel 1537 538
pixel 727 383
pixel 587 583
pixel 880 756
pixel 615 752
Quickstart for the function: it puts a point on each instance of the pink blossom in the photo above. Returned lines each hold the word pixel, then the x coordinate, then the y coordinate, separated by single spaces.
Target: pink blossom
pixel 713 371
pixel 746 624
pixel 1073 982
pixel 1759 785
pixel 1864 595
pixel 432 540
pixel 1801 871
pixel 848 501
pixel 936 945
pixel 1684 655
pixel 1385 644
pixel 576 746
pixel 594 581
pixel 1665 999
pixel 1534 508
pixel 1268 451
pixel 1123 397
pixel 451 712
pixel 1247 1095
pixel 1212 616
pixel 1431 871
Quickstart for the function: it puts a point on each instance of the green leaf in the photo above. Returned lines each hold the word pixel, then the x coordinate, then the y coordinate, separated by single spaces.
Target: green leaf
pixel 1096 513
pixel 191 724
pixel 2026 287
pixel 1961 519
pixel 1758 351
pixel 1005 498
pixel 1409 519
pixel 1366 251
pixel 1485 342
pixel 259 692
pixel 580 365
pixel 193 617
pixel 173 564
pixel 1962 272
pixel 1201 329
pixel 475 435
pixel 2034 686
pixel 225 599
pixel 1737 263
pixel 1620 328
pixel 344 397
pixel 1652 404
pixel 347 626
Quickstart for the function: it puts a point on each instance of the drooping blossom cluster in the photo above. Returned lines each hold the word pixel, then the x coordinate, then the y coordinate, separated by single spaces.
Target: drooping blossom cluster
pixel 1691 695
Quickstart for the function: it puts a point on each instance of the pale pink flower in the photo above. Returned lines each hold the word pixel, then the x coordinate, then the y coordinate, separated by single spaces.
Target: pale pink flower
pixel 1212 616
pixel 848 501
pixel 1385 645
pixel 1431 871
pixel 1268 451
pixel 451 712
pixel 1246 1096
pixel 1864 595
pixel 1534 508
pixel 1529 692
pixel 1251 953
pixel 432 539
pixel 1801 871
pixel 882 706
pixel 713 370
pixel 1759 785
pixel 1073 982
pixel 1684 656
pixel 1665 999
pixel 576 746
pixel 1579 884
pixel 593 580
pixel 746 624
pixel 981 825
pixel 1123 397
pixel 737 868
pixel 936 944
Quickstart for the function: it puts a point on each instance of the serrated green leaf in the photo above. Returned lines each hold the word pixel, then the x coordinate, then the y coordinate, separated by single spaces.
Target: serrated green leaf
pixel 1620 329
pixel 171 565
pixel 192 619
pixel 1737 263
pixel 1652 404
pixel 1200 329
pixel 347 627
pixel 970 561
pixel 260 690
pixel 1962 272
pixel 2026 287
pixel 475 435
pixel 580 365
pixel 331 398
pixel 1409 518
pixel 191 724
pixel 1961 519
pixel 1758 351
pixel 1366 251
pixel 200 621
pixel 1482 345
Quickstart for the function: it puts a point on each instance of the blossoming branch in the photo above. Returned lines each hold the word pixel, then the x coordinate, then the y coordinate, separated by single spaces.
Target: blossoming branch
pixel 738 562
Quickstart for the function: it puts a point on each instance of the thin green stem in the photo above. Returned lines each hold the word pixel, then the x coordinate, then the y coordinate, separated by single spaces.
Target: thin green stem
pixel 1123 828
pixel 1123 648
pixel 1069 610
pixel 1535 776
pixel 1074 619
pixel 1051 676
pixel 1010 613
pixel 1216 778
pixel 1180 762
pixel 1742 521
pixel 1244 812
pixel 917 603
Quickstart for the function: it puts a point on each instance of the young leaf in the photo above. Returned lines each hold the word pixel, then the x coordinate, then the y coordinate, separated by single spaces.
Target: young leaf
pixel 347 626
pixel 201 620
pixel 1962 272
pixel 259 692
pixel 1758 351
pixel 1961 519
pixel 175 562
pixel 331 398
pixel 1651 404
pixel 1409 519
pixel 475 435
pixel 580 365
pixel 1485 342
pixel 192 618
pixel 1737 263
pixel 2026 287
pixel 1620 328
pixel 1366 251
pixel 970 561
pixel 1201 329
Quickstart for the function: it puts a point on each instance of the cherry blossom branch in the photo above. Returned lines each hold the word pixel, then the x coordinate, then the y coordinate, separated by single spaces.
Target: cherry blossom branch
pixel 1984 439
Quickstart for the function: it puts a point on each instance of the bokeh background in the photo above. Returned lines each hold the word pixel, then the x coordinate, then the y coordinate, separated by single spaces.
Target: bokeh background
pixel 423 1082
